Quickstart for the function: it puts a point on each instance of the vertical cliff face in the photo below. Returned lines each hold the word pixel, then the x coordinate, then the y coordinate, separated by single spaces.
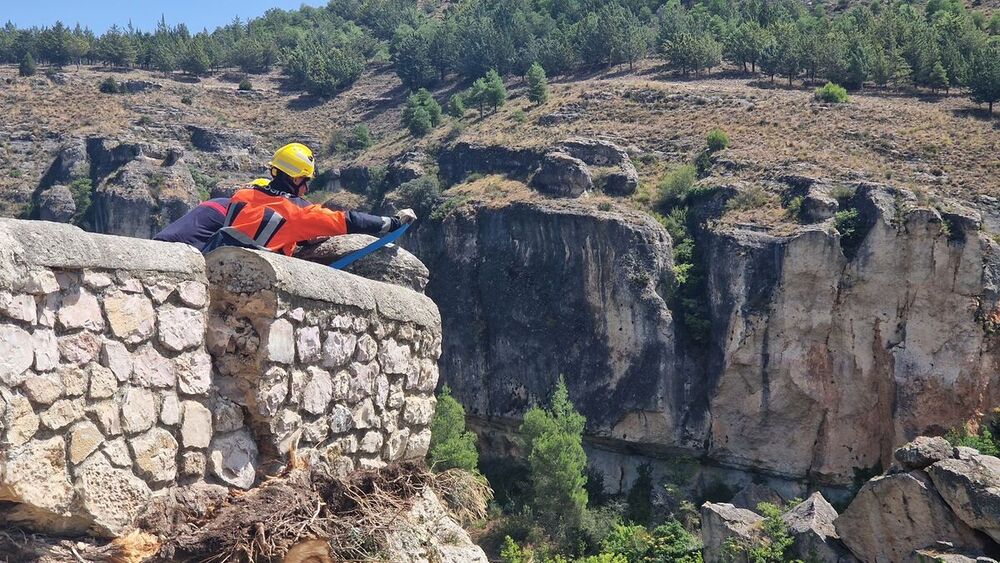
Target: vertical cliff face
pixel 824 353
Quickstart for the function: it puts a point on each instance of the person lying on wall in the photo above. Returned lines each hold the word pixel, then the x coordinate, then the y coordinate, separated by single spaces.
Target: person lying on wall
pixel 272 214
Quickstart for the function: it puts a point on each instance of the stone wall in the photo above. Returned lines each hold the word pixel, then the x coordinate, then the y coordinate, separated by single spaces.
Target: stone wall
pixel 109 396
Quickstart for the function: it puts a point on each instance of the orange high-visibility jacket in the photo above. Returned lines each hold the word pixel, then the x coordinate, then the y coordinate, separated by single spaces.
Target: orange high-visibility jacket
pixel 279 223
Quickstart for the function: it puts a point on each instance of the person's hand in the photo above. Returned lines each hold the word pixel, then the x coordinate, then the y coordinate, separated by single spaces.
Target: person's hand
pixel 406 216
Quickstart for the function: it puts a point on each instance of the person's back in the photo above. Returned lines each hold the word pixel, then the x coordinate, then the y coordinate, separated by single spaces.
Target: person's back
pixel 197 226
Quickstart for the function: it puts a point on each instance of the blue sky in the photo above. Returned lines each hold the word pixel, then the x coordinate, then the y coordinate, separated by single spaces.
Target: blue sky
pixel 100 14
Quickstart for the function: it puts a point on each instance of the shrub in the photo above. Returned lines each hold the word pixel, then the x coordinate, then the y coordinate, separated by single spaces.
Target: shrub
pixel 674 187
pixel 187 100
pixel 754 197
pixel 669 542
pixel 80 189
pixel 422 113
pixel 831 93
pixel 984 441
pixel 520 116
pixel 27 66
pixel 538 86
pixel 452 446
pixel 717 140
pixel 110 86
pixel 421 194
pixel 362 138
pixel 245 85
pixel 794 207
pixel 419 122
pixel 456 106
pixel 640 506
pixel 768 545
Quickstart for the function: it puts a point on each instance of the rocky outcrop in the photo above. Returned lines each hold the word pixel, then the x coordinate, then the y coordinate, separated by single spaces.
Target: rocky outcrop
pixel 143 196
pixel 923 451
pixel 724 523
pixel 464 158
pixel 811 525
pixel 390 264
pixel 211 139
pixel 622 179
pixel 56 204
pixel 563 176
pixel 971 487
pixel 427 533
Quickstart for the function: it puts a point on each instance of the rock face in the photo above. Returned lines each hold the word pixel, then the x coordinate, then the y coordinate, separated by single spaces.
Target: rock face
pixel 109 395
pixel 622 179
pixel 562 175
pixel 923 451
pixel 56 204
pixel 465 158
pixel 142 197
pixel 390 264
pixel 427 533
pixel 811 524
pixel 722 522
pixel 971 487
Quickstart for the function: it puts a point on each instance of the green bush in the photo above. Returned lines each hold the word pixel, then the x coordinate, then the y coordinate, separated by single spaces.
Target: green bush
pixel 538 86
pixel 187 100
pixel 754 197
pixel 27 66
pixel 419 122
pixel 669 542
pixel 769 544
pixel 794 207
pixel 848 224
pixel 362 137
pixel 80 189
pixel 675 186
pixel 831 93
pixel 640 506
pixel 984 441
pixel 246 85
pixel 452 446
pixel 422 113
pixel 717 140
pixel 110 86
pixel 520 116
pixel 456 106
pixel 421 194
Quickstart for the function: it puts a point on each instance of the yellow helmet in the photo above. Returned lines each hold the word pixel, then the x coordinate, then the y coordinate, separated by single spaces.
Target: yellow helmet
pixel 296 160
pixel 260 182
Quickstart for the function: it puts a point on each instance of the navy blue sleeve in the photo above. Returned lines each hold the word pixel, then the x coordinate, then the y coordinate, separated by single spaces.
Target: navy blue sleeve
pixel 197 226
pixel 366 224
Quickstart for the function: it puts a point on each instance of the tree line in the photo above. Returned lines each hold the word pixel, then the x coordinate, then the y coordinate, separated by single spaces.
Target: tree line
pixel 939 45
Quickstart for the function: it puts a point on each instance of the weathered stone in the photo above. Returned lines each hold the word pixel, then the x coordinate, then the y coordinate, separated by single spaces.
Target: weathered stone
pixel 49 308
pixel 228 415
pixel 193 294
pixel 233 458
pixel 150 369
pixel 131 316
pixel 722 522
pixel 318 391
pixel 62 413
pixel 272 390
pixel 41 282
pixel 106 413
pixel 361 382
pixel 103 382
pixel 286 429
pixel 19 307
pixel 84 439
pixel 418 444
pixel 75 380
pixel 180 329
pixel 972 489
pixel 308 344
pixel 96 280
pixel 80 348
pixel 394 358
pixel 396 396
pixel 170 408
pixel 193 465
pixel 297 385
pixel 392 264
pixel 154 453
pixel 138 410
pixel 80 309
pixel 46 349
pixel 811 525
pixel 341 382
pixel 428 376
pixel 338 348
pixel 754 493
pixel 367 349
pixel 16 355
pixel 923 451
pixel 194 372
pixel 370 463
pixel 427 531
pixel 371 442
pixel 36 476
pixel 419 410
pixel 364 415
pixel 111 499
pixel 280 343
pixel 315 431
pixel 562 175
pixel 893 515
pixel 196 430
pixel 160 291
pixel 116 357
pixel 341 419
pixel 43 389
pixel 19 420
pixel 395 445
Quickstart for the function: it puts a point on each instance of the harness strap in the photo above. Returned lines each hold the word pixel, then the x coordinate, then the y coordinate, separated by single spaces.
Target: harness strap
pixel 362 252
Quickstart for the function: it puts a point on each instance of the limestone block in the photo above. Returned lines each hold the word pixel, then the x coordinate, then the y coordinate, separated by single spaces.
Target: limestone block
pixel 43 389
pixel 380 391
pixel 228 415
pixel 103 382
pixel 62 413
pixel 84 439
pixel 364 415
pixel 396 396
pixel 180 329
pixel 46 349
pixel 315 431
pixel 346 445
pixel 196 430
pixel 111 498
pixel 106 413
pixel 923 451
pixel 318 391
pixel 80 309
pixel 371 463
pixel 160 291
pixel 428 376
pixel 419 410
pixel 272 390
pixel 36 475
pixel 96 280
pixel 115 356
pixel 41 282
pixel 338 348
pixel 395 445
pixel 170 408
pixel 75 380
pixel 150 369
pixel 286 429
pixel 48 309
pixel 722 522
pixel 971 487
pixel 80 348
pixel 362 381
pixel 117 453
pixel 19 420
pixel 233 458
pixel 418 444
pixel 341 419
pixel 193 464
pixel 308 344
pixel 131 316
pixel 154 453
pixel 194 372
pixel 193 294
pixel 297 385
pixel 280 345
pixel 16 354
pixel 367 349
pixel 19 307
pixel 341 386
pixel 395 358
pixel 811 525
pixel 138 410
pixel 371 442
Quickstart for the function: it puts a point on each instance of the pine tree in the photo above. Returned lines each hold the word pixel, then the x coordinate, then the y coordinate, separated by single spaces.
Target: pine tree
pixel 451 445
pixel 496 93
pixel 984 82
pixel 938 78
pixel 538 86
pixel 456 106
pixel 195 60
pixel 411 53
pixel 27 66
pixel 422 113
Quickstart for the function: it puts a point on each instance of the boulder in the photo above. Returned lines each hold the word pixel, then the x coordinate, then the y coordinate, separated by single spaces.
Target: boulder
pixel 971 487
pixel 71 163
pixel 562 175
pixel 36 479
pixel 233 458
pixel 600 153
pixel 211 139
pixel 427 532
pixel 894 515
pixel 111 499
pixel 56 204
pixel 923 451
pixel 720 522
pixel 407 166
pixel 811 526
pixel 390 264
pixel 456 162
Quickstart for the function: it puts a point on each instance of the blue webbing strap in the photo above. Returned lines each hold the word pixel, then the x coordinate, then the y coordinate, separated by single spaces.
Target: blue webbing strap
pixel 362 252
